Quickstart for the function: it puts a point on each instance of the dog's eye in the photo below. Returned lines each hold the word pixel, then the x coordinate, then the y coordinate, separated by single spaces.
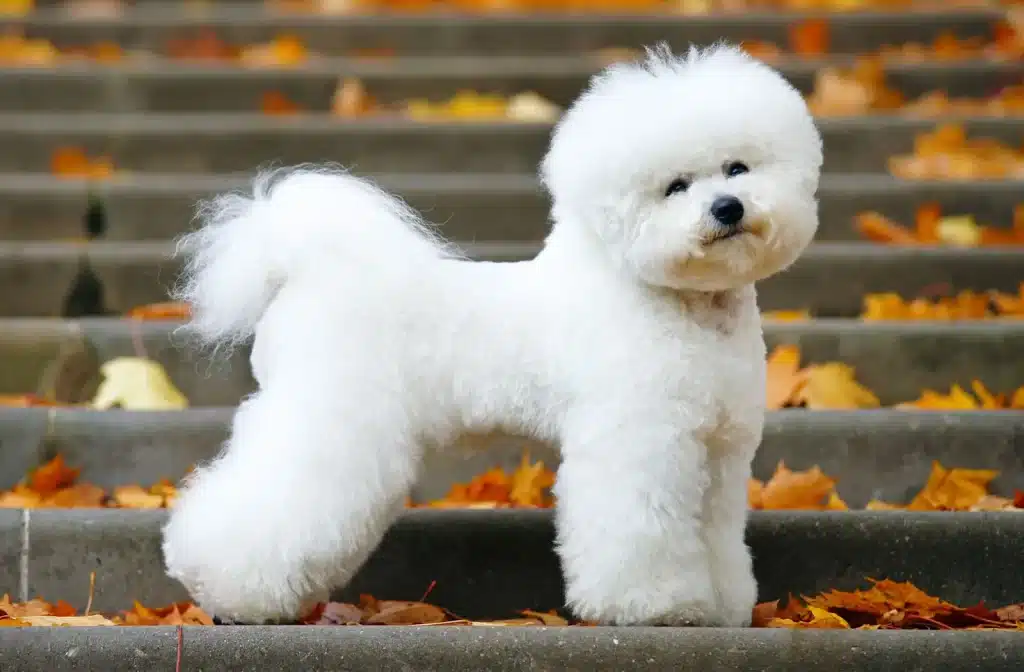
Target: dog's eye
pixel 735 168
pixel 676 186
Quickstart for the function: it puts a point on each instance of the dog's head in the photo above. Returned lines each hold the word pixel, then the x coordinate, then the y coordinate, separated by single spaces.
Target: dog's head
pixel 695 172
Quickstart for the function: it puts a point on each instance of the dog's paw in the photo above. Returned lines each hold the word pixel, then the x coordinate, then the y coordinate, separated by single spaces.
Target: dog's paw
pixel 686 603
pixel 733 579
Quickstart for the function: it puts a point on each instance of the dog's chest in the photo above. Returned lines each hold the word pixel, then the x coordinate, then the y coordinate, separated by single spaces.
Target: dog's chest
pixel 723 373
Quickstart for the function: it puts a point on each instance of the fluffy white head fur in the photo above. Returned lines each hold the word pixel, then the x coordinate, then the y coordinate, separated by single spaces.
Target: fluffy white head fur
pixel 373 343
pixel 640 126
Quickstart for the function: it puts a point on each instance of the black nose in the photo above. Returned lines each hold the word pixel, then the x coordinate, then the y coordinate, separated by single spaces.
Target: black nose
pixel 728 210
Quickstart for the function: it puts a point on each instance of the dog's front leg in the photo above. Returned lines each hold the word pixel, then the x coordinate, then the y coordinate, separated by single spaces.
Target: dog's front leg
pixel 630 526
pixel 725 510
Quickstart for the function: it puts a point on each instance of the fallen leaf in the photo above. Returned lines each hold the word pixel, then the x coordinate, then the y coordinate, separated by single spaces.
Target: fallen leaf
pixel 406 613
pixel 136 383
pixel 72 621
pixel 833 386
pixel 170 310
pixel 788 489
pixel 52 476
pixel 784 377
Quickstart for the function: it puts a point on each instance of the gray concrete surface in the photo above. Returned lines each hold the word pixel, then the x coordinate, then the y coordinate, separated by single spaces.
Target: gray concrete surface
pixel 469 207
pixel 497 35
pixel 230 143
pixel 883 455
pixel 830 279
pixel 242 649
pixel 487 564
pixel 157 86
pixel 895 360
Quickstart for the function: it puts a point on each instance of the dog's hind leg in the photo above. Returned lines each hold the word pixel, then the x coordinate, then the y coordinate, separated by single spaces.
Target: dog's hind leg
pixel 302 495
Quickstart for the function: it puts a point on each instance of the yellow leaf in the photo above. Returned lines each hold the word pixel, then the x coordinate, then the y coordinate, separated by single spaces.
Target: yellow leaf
pixel 833 386
pixel 532 107
pixel 962 231
pixel 134 497
pixel 16 7
pixel 137 384
pixel 823 618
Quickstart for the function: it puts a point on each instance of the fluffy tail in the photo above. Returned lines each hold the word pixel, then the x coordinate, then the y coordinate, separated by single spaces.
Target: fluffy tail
pixel 296 219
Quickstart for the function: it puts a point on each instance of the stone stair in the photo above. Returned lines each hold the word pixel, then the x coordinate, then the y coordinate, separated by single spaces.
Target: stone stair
pixel 183 131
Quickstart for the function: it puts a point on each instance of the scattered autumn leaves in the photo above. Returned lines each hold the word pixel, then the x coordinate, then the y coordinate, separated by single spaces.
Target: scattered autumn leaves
pixel 948 154
pixel 931 227
pixel 946 490
pixel 833 386
pixel 56 485
pixel 886 605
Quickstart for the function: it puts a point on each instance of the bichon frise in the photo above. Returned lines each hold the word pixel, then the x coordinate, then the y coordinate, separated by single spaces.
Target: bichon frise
pixel 633 340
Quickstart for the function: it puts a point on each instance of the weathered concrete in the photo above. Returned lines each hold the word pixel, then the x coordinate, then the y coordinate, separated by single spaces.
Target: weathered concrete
pixel 174 87
pixel 830 279
pixel 242 649
pixel 896 360
pixel 31 346
pixel 12 530
pixel 231 143
pixel 494 35
pixel 885 455
pixel 469 207
pixel 488 564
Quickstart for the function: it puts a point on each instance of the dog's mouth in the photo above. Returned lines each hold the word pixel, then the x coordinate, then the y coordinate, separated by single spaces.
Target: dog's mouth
pixel 726 234
pixel 754 229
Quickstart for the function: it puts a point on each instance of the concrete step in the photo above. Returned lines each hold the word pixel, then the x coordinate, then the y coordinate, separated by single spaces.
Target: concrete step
pixel 471 207
pixel 181 87
pixel 500 34
pixel 488 564
pixel 885 455
pixel 896 360
pixel 240 649
pixel 830 279
pixel 230 143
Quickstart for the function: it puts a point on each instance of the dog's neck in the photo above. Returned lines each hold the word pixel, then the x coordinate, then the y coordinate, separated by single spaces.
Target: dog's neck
pixel 721 311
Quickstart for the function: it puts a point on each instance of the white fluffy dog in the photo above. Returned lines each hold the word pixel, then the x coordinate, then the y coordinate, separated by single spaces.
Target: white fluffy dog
pixel 633 340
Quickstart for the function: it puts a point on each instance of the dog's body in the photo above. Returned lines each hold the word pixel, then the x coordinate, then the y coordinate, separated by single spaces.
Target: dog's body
pixel 633 340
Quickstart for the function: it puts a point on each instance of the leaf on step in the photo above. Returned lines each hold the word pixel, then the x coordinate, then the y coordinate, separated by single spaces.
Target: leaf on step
pixel 135 497
pixel 340 613
pixel 392 612
pixel 52 476
pixel 953 489
pixel 545 617
pixel 168 310
pixel 529 483
pixel 788 489
pixel 67 621
pixel 783 375
pixel 526 487
pixel 833 386
pixel 136 383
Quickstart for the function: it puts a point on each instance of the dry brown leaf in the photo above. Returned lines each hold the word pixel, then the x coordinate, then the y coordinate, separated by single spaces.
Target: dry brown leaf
pixel 406 613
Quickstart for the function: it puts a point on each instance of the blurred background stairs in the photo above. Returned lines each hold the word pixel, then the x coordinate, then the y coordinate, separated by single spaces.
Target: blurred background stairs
pixel 117 117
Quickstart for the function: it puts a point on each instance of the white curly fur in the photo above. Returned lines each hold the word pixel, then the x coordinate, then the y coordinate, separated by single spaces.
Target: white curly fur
pixel 632 340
